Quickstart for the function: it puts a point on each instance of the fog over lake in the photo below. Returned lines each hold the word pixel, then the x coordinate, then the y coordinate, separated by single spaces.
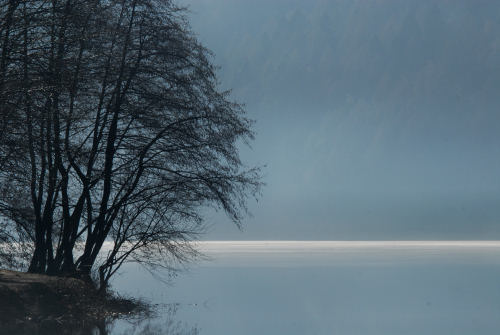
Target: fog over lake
pixel 376 120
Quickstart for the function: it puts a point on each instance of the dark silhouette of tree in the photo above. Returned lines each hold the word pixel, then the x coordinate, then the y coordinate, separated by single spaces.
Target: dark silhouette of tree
pixel 113 129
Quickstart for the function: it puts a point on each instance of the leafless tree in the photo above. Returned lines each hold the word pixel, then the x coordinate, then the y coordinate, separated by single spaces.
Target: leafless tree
pixel 113 129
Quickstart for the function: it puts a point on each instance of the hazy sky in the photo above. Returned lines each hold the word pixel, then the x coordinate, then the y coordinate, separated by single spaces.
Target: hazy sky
pixel 376 119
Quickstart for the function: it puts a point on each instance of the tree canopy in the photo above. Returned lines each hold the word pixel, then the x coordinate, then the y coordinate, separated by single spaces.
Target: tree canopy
pixel 114 129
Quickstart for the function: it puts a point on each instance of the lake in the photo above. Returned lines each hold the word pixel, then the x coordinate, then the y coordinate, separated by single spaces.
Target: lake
pixel 325 288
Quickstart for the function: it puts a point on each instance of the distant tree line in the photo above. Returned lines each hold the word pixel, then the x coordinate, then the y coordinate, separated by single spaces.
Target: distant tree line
pixel 112 128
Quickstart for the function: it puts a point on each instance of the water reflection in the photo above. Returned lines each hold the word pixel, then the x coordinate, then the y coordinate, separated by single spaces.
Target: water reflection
pixel 166 325
pixel 53 326
pixel 138 325
pixel 167 328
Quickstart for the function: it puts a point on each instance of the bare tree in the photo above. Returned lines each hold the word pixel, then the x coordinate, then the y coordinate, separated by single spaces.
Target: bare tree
pixel 115 131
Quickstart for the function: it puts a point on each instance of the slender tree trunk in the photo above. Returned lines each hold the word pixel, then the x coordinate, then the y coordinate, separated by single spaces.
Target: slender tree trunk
pixel 96 239
pixel 13 4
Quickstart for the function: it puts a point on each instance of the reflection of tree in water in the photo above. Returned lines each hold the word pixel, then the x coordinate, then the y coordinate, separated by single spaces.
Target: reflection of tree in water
pixel 53 326
pixel 164 324
pixel 166 328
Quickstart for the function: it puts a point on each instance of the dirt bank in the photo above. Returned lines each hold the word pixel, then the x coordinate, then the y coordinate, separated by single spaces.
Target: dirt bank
pixel 39 299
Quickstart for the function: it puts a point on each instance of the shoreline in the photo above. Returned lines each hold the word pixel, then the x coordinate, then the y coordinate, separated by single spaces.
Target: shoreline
pixel 33 302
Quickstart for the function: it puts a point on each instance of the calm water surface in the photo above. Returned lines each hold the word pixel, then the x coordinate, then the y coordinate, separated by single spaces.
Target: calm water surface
pixel 326 288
